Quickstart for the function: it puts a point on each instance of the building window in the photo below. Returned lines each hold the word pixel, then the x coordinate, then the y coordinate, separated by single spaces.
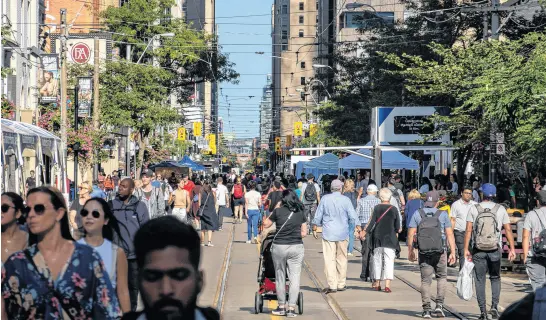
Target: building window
pixel 302 81
pixel 284 47
pixel 302 96
pixel 301 6
pixel 300 34
pixel 301 19
pixel 317 5
pixel 284 9
pixel 284 35
pixel 284 22
pixel 317 18
pixel 302 64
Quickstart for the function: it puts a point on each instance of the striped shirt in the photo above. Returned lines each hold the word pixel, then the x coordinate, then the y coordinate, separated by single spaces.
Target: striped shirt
pixel 365 207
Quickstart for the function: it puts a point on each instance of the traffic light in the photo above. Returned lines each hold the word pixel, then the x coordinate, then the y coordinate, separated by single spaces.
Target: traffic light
pixel 278 144
pixel 182 134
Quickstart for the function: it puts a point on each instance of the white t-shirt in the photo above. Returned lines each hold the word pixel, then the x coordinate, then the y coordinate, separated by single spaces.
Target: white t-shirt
pixel 221 192
pixel 534 222
pixel 502 216
pixel 253 198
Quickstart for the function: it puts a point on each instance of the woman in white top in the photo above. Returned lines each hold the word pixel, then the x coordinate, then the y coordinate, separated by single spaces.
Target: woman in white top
pixel 253 203
pixel 99 225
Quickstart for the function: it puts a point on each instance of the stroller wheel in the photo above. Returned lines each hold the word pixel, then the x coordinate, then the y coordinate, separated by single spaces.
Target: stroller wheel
pixel 258 303
pixel 300 303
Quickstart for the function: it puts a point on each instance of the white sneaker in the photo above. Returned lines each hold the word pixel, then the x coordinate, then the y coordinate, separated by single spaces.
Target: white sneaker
pixel 248 241
pixel 350 254
pixel 210 244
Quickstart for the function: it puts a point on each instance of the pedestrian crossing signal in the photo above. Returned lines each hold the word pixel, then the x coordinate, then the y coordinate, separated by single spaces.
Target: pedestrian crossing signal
pixel 182 134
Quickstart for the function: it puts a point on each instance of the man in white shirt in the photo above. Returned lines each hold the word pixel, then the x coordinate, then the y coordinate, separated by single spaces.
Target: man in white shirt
pixel 534 224
pixel 459 213
pixel 222 201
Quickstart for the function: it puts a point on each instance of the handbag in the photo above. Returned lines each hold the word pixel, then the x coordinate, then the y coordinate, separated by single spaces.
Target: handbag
pixel 370 244
pixel 200 214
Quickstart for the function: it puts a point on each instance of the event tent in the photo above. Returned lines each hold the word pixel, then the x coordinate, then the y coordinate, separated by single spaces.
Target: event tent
pixel 187 162
pixel 166 164
pixel 390 160
pixel 326 164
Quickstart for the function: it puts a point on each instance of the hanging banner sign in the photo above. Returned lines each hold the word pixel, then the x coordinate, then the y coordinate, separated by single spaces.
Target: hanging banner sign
pixel 85 96
pixel 298 128
pixel 48 78
pixel 197 129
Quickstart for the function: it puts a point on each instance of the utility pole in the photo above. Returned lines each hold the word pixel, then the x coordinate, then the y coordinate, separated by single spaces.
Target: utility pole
pixel 96 105
pixel 76 146
pixel 128 140
pixel 64 82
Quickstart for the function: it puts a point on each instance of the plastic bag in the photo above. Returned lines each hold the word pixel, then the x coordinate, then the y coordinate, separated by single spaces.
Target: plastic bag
pixel 465 282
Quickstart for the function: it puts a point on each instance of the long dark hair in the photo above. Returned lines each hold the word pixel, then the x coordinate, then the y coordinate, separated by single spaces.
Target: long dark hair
pixel 290 201
pixel 58 202
pixel 112 227
pixel 19 204
pixel 206 186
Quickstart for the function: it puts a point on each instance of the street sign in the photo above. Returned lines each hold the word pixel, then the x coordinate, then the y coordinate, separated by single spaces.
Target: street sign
pixel 181 133
pixel 501 148
pixel 80 53
pixel 499 137
pixel 298 128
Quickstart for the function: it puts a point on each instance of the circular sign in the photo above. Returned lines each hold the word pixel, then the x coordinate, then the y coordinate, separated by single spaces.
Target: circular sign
pixel 80 53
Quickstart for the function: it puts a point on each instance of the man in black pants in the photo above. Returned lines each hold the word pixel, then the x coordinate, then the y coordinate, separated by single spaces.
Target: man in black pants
pixel 487 260
pixel 130 213
pixel 364 210
pixel 459 213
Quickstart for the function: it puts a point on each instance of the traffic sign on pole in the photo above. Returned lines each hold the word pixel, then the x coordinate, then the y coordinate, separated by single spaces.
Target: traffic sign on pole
pixel 501 148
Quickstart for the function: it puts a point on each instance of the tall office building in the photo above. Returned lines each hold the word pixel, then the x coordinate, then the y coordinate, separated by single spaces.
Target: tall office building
pixel 294 33
pixel 200 15
pixel 266 115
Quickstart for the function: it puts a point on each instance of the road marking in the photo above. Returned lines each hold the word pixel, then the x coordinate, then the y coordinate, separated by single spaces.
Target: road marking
pixel 221 287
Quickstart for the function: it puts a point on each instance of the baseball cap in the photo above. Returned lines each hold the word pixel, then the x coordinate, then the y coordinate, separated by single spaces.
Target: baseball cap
pixel 541 196
pixel 337 184
pixel 432 198
pixel 310 176
pixel 372 188
pixel 148 173
pixel 489 190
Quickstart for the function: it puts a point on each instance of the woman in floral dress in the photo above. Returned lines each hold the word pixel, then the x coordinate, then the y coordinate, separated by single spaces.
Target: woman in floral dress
pixel 56 278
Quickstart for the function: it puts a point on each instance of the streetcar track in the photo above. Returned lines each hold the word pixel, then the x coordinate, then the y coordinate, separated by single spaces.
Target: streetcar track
pixel 332 303
pixel 449 309
pixel 222 284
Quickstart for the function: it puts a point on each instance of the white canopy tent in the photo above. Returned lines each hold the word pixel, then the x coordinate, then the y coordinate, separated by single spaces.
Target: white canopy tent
pixel 18 137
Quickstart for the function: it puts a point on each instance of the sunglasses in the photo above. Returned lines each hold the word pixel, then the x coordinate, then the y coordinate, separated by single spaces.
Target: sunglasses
pixel 5 208
pixel 39 209
pixel 94 213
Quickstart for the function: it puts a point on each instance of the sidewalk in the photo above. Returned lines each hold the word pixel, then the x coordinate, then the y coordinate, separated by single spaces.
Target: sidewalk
pixel 404 301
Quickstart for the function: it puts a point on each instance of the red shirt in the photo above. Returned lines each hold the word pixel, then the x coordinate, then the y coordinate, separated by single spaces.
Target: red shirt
pixel 189 186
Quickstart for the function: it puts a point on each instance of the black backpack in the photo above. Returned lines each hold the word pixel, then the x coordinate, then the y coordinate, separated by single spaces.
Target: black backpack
pixel 310 193
pixel 429 233
pixel 539 244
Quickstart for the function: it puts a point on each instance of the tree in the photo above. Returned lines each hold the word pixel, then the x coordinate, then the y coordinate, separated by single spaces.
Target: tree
pixel 494 86
pixel 134 95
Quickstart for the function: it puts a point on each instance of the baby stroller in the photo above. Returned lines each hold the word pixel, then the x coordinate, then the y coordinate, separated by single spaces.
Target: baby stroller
pixel 266 278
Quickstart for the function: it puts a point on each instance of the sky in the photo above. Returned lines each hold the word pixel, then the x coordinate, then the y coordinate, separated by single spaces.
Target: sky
pixel 244 27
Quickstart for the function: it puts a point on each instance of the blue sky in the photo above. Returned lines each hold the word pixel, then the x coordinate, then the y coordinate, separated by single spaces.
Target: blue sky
pixel 240 35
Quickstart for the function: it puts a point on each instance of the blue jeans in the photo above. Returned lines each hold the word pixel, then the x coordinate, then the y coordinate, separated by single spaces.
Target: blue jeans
pixel 351 237
pixel 252 223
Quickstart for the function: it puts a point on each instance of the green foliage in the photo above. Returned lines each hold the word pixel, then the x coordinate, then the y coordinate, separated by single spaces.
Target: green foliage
pixel 487 83
pixel 322 136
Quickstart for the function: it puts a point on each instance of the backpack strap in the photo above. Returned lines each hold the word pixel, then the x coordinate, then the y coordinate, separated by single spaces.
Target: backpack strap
pixel 539 220
pixel 422 213
pixel 437 214
pixel 114 263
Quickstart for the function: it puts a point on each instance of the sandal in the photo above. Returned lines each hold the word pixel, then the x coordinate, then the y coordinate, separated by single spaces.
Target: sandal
pixel 388 290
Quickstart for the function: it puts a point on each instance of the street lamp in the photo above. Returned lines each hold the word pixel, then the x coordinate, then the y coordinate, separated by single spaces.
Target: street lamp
pixel 157 36
pixel 317 80
pixel 322 66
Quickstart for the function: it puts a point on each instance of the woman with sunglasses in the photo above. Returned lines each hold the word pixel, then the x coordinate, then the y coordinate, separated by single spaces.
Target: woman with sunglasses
pixel 13 238
pixel 56 278
pixel 99 226
pixel 84 194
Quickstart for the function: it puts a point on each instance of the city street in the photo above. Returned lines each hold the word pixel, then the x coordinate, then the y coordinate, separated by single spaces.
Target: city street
pixel 237 299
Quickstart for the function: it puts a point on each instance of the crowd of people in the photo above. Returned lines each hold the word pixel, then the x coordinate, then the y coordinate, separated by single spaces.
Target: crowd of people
pixel 110 251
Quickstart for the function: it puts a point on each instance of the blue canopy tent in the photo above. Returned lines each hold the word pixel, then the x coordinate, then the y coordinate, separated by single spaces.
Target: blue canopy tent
pixel 390 160
pixel 326 164
pixel 187 162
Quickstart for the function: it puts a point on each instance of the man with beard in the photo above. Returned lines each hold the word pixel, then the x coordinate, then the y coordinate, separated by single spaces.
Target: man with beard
pixel 168 254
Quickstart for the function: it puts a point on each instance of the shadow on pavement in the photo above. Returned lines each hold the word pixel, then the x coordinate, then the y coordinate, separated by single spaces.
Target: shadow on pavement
pixel 399 312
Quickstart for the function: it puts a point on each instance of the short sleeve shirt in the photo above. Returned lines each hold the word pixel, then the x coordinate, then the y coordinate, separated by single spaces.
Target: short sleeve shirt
pixel 502 216
pixel 303 187
pixel 253 198
pixel 444 220
pixel 291 232
pixel 533 223
pixel 221 192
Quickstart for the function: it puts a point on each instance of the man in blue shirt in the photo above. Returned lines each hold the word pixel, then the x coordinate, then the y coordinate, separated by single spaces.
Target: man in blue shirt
pixel 97 192
pixel 432 264
pixel 334 214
